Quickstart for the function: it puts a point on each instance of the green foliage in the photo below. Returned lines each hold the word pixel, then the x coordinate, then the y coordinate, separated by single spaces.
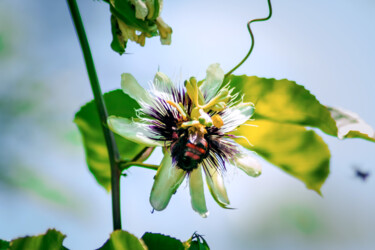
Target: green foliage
pixel 159 241
pixel 122 240
pixel 197 242
pixel 118 43
pixel 297 151
pixel 118 240
pixel 197 245
pixel 4 244
pixel 88 122
pixel 51 240
pixel 283 109
pixel 283 101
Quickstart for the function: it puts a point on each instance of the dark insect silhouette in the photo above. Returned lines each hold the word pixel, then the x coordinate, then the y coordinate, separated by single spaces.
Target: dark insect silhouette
pixel 359 173
pixel 189 149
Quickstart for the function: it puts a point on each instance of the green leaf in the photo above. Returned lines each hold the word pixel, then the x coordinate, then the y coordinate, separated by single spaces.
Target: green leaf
pixel 51 240
pixel 350 125
pixel 196 242
pixel 4 245
pixel 197 245
pixel 159 241
pixel 282 110
pixel 287 102
pixel 88 122
pixel 283 101
pixel 122 240
pixel 298 151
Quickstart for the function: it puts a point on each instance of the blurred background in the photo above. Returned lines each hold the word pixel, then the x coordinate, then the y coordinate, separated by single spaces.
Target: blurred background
pixel 327 46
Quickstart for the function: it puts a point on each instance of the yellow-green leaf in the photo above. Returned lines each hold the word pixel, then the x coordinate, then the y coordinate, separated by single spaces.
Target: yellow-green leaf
pixel 283 101
pixel 51 240
pixel 298 151
pixel 288 102
pixel 88 122
pixel 122 240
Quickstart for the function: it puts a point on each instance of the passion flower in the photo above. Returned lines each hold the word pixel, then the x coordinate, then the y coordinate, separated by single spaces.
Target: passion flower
pixel 194 125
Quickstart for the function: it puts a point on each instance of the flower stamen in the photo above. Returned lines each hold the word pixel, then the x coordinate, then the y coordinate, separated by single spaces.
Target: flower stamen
pixel 179 109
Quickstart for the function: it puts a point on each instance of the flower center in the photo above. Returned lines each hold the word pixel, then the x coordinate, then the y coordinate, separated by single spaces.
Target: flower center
pixel 190 149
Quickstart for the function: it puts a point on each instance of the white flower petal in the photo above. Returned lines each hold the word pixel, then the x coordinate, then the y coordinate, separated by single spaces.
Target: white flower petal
pixel 213 82
pixel 198 201
pixel 236 116
pixel 216 186
pixel 163 87
pixel 162 80
pixel 249 164
pixel 132 131
pixel 131 87
pixel 168 178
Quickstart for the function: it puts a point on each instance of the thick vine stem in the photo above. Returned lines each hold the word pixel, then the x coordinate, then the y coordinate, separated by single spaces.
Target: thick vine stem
pixel 252 37
pixel 108 135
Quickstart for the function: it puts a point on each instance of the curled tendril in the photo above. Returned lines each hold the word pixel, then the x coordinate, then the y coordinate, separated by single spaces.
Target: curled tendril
pixel 252 37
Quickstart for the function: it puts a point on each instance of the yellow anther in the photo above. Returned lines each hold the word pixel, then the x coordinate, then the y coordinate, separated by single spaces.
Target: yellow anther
pixel 179 109
pixel 217 121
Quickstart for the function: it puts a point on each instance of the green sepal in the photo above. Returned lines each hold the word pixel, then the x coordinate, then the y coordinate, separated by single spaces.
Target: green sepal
pixel 118 43
pixel 124 10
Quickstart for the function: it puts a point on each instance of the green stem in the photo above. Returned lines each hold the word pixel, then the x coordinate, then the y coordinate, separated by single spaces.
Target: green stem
pixel 108 135
pixel 252 38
